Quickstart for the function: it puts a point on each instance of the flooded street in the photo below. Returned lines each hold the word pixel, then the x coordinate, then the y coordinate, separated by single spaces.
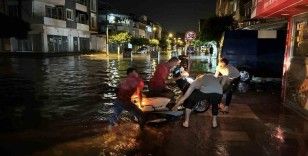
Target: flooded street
pixel 58 106
pixel 77 88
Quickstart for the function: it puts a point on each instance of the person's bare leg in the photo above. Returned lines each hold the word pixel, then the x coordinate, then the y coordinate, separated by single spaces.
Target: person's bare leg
pixel 214 121
pixel 187 115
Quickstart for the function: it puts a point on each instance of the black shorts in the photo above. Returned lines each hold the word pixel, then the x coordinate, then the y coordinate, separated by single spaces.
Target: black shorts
pixel 183 84
pixel 197 96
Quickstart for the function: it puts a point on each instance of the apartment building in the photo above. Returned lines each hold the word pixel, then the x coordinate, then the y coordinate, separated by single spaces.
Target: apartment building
pixel 136 26
pixel 56 25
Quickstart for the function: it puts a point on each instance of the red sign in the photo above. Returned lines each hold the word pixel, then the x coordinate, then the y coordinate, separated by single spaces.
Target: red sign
pixel 276 8
pixel 190 35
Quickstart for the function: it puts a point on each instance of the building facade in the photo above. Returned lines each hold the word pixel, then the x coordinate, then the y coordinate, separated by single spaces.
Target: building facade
pixel 295 70
pixel 139 27
pixel 241 10
pixel 56 25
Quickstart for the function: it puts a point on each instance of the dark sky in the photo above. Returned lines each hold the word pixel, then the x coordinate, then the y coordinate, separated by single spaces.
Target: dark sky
pixel 175 15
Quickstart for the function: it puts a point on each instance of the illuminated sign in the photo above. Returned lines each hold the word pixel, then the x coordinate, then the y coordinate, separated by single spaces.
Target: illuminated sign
pixel 190 35
pixel 274 8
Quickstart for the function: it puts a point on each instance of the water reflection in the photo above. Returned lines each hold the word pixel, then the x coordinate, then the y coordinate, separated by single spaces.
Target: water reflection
pixel 73 88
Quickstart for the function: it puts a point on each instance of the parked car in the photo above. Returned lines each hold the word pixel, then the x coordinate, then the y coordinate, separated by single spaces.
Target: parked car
pixel 142 50
pixel 255 53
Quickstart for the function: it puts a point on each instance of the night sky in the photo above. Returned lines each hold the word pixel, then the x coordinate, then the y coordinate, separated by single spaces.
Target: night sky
pixel 175 15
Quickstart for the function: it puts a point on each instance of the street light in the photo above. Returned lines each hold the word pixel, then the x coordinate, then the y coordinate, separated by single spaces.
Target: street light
pixel 107 38
pixel 154 31
pixel 112 20
pixel 170 35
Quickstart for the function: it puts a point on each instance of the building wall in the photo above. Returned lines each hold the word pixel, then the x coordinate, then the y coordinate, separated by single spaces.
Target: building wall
pixel 63 34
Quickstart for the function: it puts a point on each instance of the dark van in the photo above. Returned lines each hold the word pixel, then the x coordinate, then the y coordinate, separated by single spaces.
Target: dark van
pixel 255 53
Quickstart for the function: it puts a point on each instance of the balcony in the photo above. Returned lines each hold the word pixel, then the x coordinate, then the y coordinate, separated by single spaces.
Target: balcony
pixel 54 22
pixel 55 2
pixel 81 7
pixel 83 27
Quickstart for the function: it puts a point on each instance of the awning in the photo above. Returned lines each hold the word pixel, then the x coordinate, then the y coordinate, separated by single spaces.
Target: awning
pixel 13 27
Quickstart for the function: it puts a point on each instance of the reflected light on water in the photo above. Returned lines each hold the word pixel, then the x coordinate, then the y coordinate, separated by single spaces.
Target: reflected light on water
pixel 121 140
pixel 279 134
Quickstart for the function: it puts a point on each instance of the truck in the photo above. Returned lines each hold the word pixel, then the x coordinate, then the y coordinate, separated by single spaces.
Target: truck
pixel 258 53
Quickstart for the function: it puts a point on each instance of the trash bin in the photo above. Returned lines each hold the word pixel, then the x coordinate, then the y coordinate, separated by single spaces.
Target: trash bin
pixel 127 53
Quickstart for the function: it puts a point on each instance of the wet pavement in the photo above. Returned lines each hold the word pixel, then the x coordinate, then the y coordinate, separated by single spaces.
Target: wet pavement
pixel 68 108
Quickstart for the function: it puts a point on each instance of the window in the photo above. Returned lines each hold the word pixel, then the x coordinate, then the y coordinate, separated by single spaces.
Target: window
pixel 48 11
pixel 301 38
pixel 69 14
pixel 93 22
pixel 93 5
pixel 13 10
pixel 60 12
pixel 54 12
pixel 82 19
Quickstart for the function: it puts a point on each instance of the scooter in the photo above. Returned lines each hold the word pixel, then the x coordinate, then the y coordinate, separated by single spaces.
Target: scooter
pixel 156 108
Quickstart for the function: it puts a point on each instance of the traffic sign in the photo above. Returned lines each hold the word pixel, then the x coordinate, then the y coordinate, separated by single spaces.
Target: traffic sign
pixel 190 35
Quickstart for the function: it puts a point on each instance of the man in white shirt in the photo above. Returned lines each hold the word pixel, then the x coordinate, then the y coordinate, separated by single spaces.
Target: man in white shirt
pixel 230 78
pixel 204 87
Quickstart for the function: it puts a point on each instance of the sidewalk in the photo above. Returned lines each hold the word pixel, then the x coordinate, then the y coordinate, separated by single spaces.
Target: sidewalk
pixel 256 125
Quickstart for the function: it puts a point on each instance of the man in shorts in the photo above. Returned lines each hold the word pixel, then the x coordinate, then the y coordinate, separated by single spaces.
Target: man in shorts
pixel 205 87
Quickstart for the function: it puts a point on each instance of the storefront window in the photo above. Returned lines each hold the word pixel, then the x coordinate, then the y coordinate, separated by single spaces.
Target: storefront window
pixel 297 74
pixel 301 38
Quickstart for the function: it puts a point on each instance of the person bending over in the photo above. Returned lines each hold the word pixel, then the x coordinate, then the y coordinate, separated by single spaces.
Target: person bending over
pixel 157 84
pixel 129 86
pixel 205 87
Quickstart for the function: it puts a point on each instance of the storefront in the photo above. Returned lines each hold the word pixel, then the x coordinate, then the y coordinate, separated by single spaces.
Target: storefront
pixel 295 70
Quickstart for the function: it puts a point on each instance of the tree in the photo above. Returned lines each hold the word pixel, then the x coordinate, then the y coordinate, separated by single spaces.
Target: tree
pixel 198 43
pixel 163 44
pixel 154 42
pixel 214 27
pixel 120 38
pixel 137 41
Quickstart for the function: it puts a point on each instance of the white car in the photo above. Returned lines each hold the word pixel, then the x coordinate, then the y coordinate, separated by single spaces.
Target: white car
pixel 142 50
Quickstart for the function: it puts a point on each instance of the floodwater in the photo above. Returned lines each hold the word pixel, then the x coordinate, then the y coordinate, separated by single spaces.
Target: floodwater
pixel 74 88
pixel 58 106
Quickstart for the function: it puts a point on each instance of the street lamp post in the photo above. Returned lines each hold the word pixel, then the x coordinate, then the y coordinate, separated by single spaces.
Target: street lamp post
pixel 107 40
